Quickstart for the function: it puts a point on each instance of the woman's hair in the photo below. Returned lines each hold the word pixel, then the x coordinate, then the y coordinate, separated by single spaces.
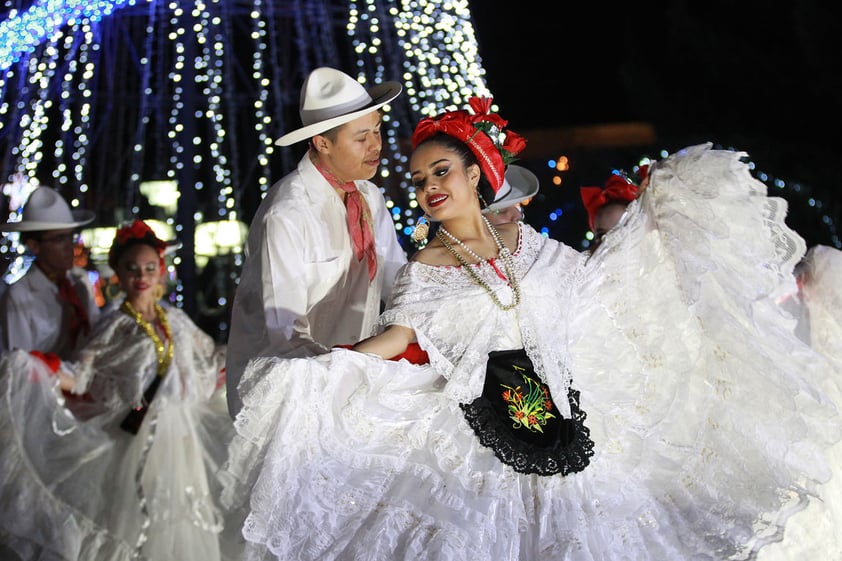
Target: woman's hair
pixel 486 192
pixel 136 233
pixel 484 133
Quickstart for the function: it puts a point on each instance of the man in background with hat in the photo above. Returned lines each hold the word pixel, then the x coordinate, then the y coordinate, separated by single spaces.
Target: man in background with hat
pixel 322 252
pixel 523 185
pixel 52 307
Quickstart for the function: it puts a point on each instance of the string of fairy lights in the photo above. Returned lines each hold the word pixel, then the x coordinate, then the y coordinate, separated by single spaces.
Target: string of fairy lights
pixel 804 196
pixel 57 57
pixel 261 118
pixel 440 69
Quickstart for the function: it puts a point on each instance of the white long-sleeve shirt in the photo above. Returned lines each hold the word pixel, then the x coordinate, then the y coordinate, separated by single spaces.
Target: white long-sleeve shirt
pixel 302 291
pixel 34 318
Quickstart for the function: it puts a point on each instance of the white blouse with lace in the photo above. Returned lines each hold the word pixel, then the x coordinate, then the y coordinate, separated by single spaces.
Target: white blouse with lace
pixel 710 419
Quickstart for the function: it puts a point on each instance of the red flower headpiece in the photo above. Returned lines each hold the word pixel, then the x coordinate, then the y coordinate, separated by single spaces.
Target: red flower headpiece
pixel 138 231
pixel 619 188
pixel 484 133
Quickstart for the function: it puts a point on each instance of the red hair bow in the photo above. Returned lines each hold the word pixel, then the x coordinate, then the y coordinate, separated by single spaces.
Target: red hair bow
pixel 618 189
pixel 477 130
pixel 136 230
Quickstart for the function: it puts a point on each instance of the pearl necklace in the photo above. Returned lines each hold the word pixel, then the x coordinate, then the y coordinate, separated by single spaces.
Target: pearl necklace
pixel 464 246
pixel 164 352
pixel 502 251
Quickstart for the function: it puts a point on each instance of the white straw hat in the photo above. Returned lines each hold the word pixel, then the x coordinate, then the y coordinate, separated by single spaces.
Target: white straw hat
pixel 522 185
pixel 46 209
pixel 330 98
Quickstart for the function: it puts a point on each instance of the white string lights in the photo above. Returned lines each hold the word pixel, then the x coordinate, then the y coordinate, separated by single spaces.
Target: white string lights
pixel 439 66
pixel 22 32
pixel 98 96
pixel 180 83
pixel 262 119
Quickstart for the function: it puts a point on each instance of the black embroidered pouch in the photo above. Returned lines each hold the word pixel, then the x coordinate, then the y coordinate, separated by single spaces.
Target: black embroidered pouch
pixel 517 418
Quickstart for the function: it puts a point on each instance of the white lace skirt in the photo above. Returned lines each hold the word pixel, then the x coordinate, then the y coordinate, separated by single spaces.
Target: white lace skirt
pixel 85 490
pixel 351 457
pixel 712 423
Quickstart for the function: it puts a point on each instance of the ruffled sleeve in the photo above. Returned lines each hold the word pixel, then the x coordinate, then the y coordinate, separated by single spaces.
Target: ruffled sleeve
pixel 435 302
pixel 458 324
pixel 116 364
pixel 201 362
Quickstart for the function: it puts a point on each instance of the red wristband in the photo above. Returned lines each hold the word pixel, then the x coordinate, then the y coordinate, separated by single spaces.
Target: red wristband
pixel 50 359
pixel 414 354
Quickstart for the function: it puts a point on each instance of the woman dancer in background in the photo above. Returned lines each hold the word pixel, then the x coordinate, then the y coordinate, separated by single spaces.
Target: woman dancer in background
pixel 131 473
pixel 606 206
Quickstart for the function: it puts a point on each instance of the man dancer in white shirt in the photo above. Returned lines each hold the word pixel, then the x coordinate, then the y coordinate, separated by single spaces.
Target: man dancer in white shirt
pixel 523 185
pixel 51 308
pixel 322 252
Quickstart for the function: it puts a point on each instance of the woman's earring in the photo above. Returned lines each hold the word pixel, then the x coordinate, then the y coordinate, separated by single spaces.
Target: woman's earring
pixel 482 203
pixel 422 230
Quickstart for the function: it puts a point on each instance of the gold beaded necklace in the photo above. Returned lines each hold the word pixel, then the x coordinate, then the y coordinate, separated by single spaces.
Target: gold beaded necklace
pixel 502 251
pixel 164 352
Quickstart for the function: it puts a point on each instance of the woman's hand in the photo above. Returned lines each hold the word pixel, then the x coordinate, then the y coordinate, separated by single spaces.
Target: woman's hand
pixel 642 187
pixel 53 363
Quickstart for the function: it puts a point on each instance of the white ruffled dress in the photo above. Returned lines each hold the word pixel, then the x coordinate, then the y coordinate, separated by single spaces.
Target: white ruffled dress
pixel 75 486
pixel 821 292
pixel 711 421
pixel 817 307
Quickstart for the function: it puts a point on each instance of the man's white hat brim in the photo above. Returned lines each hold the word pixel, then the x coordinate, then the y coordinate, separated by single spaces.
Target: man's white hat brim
pixel 80 218
pixel 381 94
pixel 45 209
pixel 172 247
pixel 522 184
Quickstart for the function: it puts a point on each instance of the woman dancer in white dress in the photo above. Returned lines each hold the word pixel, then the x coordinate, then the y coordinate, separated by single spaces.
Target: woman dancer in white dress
pixel 642 404
pixel 606 206
pixel 817 311
pixel 129 472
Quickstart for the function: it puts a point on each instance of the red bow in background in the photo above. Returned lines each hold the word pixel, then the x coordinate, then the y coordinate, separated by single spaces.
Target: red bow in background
pixel 618 189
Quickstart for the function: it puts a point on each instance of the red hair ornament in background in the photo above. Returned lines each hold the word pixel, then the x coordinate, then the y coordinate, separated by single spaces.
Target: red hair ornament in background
pixel 136 230
pixel 619 188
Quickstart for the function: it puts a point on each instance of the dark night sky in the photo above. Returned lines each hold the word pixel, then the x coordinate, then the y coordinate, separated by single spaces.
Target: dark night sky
pixel 748 74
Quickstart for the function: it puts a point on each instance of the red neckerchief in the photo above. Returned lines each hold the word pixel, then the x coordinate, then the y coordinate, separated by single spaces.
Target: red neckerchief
pixel 359 217
pixel 79 320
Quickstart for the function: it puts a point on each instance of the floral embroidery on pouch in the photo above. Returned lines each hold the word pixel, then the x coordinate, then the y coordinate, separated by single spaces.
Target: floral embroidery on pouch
pixel 532 409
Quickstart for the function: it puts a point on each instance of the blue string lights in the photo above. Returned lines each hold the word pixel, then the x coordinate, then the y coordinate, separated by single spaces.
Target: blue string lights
pixel 816 211
pixel 97 97
pixel 198 92
pixel 22 32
